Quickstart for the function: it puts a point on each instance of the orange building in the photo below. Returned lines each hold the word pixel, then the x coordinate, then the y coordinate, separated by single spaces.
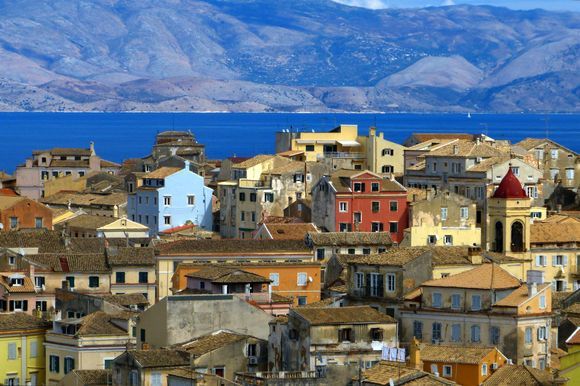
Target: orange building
pixel 20 212
pixel 297 280
pixel 463 364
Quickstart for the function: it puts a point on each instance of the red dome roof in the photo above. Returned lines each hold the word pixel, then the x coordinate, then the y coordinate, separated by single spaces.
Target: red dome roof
pixel 510 187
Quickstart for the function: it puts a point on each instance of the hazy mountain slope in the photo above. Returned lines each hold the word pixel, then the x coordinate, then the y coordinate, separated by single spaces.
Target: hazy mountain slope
pixel 262 55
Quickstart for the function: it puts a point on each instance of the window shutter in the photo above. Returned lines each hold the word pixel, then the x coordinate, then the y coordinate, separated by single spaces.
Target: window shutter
pixel 12 351
pixel 564 285
pixel 538 261
pixel 33 349
pixel 553 261
pixel 11 305
pixel 368 284
pixel 25 305
pixel 381 285
pixel 538 333
pixel 565 258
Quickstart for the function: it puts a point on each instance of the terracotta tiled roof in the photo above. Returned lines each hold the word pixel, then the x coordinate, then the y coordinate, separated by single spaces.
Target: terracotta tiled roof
pixel 486 276
pixel 510 187
pixel 519 296
pixel 466 148
pixel 28 286
pixel 224 275
pixel 530 143
pixel 518 375
pixel 561 218
pixel 486 164
pixel 98 323
pixel 454 353
pixel 547 232
pixel 392 257
pixel 85 199
pixel 231 246
pixel 572 309
pixel 342 315
pixel 60 262
pixel 21 321
pixel 160 358
pixel 142 256
pixel 293 231
pixel 88 221
pixel 256 160
pixel 384 372
pixel 282 220
pixel 290 167
pixel 351 238
pixel 126 300
pixel 65 151
pixel 92 377
pixel 322 303
pixel 205 344
pixel 424 137
pixel 341 181
pixel 162 172
pixel 178 229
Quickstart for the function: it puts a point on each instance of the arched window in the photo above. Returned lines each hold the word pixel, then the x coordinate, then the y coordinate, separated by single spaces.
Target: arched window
pixel 498 236
pixel 517 234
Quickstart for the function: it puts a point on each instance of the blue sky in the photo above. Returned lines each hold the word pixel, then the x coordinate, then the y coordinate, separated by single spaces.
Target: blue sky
pixel 570 5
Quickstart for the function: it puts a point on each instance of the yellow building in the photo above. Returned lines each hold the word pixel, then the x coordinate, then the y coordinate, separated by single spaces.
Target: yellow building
pixel 123 228
pixel 21 349
pixel 569 363
pixel 133 272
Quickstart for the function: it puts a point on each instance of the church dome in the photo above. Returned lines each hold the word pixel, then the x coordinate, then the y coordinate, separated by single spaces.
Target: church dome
pixel 510 187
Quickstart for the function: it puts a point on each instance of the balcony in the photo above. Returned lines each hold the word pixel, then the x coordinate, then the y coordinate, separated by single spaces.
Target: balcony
pixel 243 183
pixel 341 154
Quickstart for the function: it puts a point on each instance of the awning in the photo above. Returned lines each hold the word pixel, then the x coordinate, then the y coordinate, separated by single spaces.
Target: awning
pixel 349 143
pixel 306 141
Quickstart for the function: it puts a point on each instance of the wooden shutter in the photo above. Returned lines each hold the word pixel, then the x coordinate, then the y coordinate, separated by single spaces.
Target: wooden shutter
pixel 25 305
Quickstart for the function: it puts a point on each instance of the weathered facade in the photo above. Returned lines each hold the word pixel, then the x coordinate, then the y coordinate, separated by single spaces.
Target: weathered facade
pixel 23 213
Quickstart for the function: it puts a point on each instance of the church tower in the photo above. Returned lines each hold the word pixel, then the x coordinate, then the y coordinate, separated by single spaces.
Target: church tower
pixel 509 217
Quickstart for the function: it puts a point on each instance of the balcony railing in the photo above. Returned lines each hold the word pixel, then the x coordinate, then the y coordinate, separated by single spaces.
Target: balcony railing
pixel 342 154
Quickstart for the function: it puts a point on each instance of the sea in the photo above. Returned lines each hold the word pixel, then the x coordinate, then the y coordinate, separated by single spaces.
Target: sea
pixel 119 136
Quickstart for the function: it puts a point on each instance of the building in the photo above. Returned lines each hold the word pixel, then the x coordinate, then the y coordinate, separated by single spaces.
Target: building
pixel 327 244
pixel 87 378
pixel 386 373
pixel 291 231
pixel 17 293
pixel 171 197
pixel 299 281
pixel 89 342
pixel 521 375
pixel 180 143
pixel 147 367
pixel 464 365
pixel 109 204
pixel 123 228
pixel 360 201
pixel 443 218
pixel 301 209
pixel 485 305
pixel 23 213
pixel 83 225
pixel 171 254
pixel 417 138
pixel 179 318
pixel 557 162
pixel 328 339
pixel 50 164
pixel 21 349
pixel 569 363
pixel 133 271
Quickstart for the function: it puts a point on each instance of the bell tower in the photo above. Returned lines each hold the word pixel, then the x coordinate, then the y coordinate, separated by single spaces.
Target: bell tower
pixel 509 217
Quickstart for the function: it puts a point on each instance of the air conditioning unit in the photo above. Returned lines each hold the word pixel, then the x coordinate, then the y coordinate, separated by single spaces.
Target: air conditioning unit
pixel 252 361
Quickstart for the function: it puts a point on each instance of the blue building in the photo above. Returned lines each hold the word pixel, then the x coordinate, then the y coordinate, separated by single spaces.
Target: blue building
pixel 170 197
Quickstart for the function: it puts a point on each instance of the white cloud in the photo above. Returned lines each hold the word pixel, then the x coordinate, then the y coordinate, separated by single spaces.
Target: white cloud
pixel 448 2
pixel 371 4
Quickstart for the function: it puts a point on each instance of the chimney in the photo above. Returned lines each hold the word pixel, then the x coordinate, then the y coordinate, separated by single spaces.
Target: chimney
pixel 477 140
pixel 455 149
pixel 92 148
pixel 474 255
pixel 415 355
pixel 372 131
pixel 532 289
pixel 559 208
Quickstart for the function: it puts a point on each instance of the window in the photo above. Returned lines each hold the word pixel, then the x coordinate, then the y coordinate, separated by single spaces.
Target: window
pixel 12 260
pixel 309 147
pixel 456 333
pixel 443 214
pixel 298 177
pixel 393 227
pixel 542 334
pixel 448 240
pixel 39 281
pixel 269 197
pixel 569 173
pixel 366 251
pixel 381 249
pixel 93 281
pixel 120 277
pixel 167 220
pixel 484 369
pixel 388 169
pixel 447 371
pixel 253 197
pixel 375 206
pixel 143 277
pixel 359 187
pixel 13 222
pixel 252 350
pixel 344 227
pixel 516 171
pixel 54 364
pixel 242 196
pixel 357 217
pixel 41 305
pixel 388 151
pixel 376 334
pixel 436 332
pixel 293 334
pixel 436 300
pixel 532 191
pixel 302 278
pixel 351 251
pixel 343 206
pixel 143 335
pixel 554 173
pixel 242 216
pixel 456 301
pixel 554 153
pixel 167 200
pixel 301 300
pixel 475 333
pixel 275 278
pixel 320 253
pixel 559 260
pixel 376 227
pixel 69 364
pixel 38 222
pixel 434 165
pixel 393 206
pixel 359 279
pixel 390 282
pixel 190 200
pixel 543 302
pixel 494 335
pixel 418 329
pixel 345 335
pixel 375 187
pixel 464 213
pixel 376 285
pixel 475 302
pixel 33 349
pixel 71 281
pixel 541 261
pixel 12 351
pixel 432 239
pixel 528 335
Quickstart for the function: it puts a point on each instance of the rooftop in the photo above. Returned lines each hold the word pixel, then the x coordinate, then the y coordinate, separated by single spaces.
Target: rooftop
pixel 141 256
pixel 77 262
pixel 350 238
pixel 519 296
pixel 126 300
pixel 256 160
pixel 98 324
pixel 160 358
pixel 384 372
pixel 220 274
pixel 88 221
pixel 232 247
pixel 291 231
pixel 454 353
pixel 205 344
pixel 551 232
pixel 518 375
pixel 510 187
pixel 466 148
pixel 21 321
pixel 341 181
pixel 92 377
pixel 343 315
pixel 485 277
pixel 162 172
pixel 27 287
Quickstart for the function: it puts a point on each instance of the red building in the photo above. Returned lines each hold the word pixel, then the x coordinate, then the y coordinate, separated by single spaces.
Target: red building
pixel 360 201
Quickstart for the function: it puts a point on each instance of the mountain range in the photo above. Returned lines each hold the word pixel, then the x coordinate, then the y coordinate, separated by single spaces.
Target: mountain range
pixel 298 55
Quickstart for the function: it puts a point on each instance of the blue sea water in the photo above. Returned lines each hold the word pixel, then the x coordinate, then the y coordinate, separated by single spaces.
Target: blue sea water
pixel 118 136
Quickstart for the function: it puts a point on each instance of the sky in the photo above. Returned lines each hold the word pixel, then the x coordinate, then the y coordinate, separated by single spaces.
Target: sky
pixel 556 5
